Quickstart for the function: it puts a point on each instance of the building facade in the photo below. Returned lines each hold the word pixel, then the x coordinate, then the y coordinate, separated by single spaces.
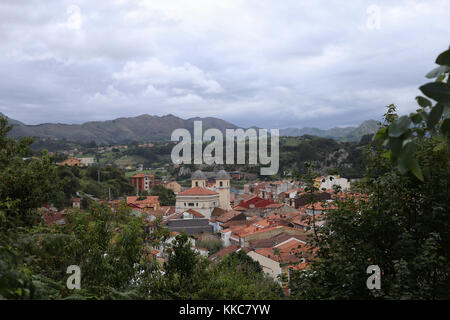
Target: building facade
pixel 202 198
pixel 223 189
pixel 198 198
pixel 143 181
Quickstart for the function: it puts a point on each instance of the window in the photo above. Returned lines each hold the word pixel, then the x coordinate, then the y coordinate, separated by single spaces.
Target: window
pixel 190 204
pixel 221 183
pixel 196 183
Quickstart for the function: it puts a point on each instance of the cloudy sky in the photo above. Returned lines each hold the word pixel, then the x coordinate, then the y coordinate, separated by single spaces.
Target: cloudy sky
pixel 273 64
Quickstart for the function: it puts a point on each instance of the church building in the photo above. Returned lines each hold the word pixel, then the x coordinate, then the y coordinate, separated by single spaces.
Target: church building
pixel 203 199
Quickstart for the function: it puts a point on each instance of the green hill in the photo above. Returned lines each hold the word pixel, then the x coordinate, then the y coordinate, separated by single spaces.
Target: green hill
pixel 339 134
pixel 12 121
pixel 153 128
pixel 141 128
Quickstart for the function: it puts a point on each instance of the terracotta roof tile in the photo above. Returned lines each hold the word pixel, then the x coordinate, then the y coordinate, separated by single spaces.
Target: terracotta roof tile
pixel 142 175
pixel 195 213
pixel 197 191
pixel 227 216
pixel 147 200
pixel 293 251
pixel 275 205
pixel 226 251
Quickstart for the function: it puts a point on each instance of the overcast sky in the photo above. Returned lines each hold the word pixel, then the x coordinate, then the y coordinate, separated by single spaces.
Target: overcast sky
pixel 272 64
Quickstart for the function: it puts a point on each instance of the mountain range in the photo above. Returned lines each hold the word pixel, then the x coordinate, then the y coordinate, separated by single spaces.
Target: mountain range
pixel 12 121
pixel 337 133
pixel 152 128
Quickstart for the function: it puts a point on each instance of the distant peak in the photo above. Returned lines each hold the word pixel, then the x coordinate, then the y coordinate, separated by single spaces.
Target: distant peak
pixel 12 121
pixel 145 115
pixel 170 116
pixel 369 122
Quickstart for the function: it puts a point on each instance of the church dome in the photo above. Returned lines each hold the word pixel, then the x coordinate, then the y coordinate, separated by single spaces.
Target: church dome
pixel 222 175
pixel 198 175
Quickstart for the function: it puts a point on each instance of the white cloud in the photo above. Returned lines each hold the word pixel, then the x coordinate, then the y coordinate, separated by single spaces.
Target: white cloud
pixel 152 71
pixel 75 19
pixel 264 63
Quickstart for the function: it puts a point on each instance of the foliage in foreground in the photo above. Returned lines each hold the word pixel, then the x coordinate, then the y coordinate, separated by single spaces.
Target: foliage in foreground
pixel 403 227
pixel 404 224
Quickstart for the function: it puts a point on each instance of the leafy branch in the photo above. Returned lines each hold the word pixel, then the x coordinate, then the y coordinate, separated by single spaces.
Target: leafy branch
pixel 402 135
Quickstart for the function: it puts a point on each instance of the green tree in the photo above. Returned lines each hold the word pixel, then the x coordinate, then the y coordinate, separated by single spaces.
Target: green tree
pixel 403 135
pixel 186 275
pixel 25 184
pixel 108 247
pixel 185 272
pixel 166 196
pixel 239 277
pixel 403 225
pixel 213 245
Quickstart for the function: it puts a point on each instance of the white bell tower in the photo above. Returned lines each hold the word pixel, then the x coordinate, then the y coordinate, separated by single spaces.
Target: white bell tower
pixel 223 189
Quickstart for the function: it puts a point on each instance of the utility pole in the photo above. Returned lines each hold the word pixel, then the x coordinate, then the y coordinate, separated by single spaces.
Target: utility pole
pixel 98 169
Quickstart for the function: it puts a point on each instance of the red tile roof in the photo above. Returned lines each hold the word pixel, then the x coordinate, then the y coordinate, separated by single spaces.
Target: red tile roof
pixel 217 212
pixel 168 210
pixel 237 223
pixel 349 195
pixel 57 217
pixel 227 216
pixel 276 240
pixel 244 196
pixel 275 205
pixel 148 199
pixel 142 175
pixel 254 202
pixel 255 229
pixel 226 251
pixel 195 213
pixel 292 251
pixel 320 206
pixel 154 213
pixel 290 244
pixel 197 191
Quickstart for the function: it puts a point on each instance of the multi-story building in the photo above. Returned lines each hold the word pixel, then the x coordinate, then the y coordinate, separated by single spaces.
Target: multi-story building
pixel 203 198
pixel 173 185
pixel 143 181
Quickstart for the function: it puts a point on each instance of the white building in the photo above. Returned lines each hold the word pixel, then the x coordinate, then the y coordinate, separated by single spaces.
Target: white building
pixel 202 199
pixel 328 182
